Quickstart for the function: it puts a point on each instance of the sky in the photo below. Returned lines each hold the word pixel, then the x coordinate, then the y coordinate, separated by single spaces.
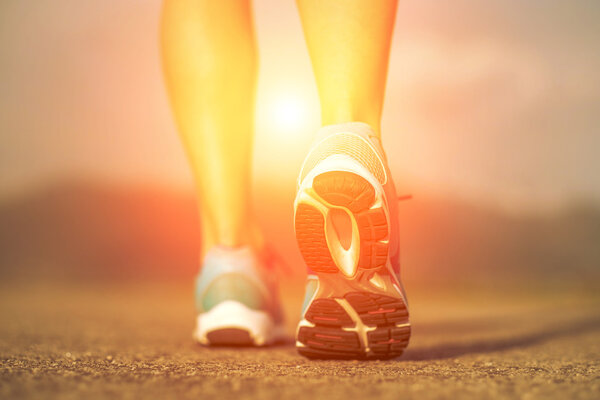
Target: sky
pixel 495 102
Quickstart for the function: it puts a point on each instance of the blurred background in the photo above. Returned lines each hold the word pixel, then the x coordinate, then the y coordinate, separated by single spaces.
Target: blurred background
pixel 491 122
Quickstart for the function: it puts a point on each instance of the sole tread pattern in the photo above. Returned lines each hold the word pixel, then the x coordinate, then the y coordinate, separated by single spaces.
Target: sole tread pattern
pixel 375 309
pixel 328 312
pixel 389 342
pixel 382 313
pixel 330 332
pixel 311 239
pixel 330 342
pixel 355 193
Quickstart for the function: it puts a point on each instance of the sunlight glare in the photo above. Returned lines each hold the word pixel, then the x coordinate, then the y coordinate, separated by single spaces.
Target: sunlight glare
pixel 288 113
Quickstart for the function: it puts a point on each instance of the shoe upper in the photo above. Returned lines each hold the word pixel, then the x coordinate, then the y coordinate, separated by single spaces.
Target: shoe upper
pixel 238 274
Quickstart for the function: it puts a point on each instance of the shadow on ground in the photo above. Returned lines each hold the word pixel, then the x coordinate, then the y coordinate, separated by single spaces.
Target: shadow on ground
pixel 452 350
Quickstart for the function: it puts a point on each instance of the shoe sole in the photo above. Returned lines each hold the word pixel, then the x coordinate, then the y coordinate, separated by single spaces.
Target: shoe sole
pixel 358 310
pixel 233 324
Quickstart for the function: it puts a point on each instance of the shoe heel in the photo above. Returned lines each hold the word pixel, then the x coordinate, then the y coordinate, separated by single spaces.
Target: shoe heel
pixel 357 312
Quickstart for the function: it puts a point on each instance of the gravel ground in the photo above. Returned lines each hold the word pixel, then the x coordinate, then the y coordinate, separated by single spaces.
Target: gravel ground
pixel 134 341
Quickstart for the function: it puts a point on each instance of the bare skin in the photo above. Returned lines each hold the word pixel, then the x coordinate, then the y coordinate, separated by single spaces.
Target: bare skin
pixel 209 58
pixel 349 45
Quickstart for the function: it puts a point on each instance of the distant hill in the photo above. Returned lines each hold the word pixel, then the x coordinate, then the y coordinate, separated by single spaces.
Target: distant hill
pixel 86 230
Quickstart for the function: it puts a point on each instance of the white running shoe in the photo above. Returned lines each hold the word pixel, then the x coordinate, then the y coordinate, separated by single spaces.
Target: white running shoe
pixel 346 223
pixel 236 299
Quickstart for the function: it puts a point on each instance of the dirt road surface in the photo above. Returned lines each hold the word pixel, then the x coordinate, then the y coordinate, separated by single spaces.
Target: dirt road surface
pixel 132 341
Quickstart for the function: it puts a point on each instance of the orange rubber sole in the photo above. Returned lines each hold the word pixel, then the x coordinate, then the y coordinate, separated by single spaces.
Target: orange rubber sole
pixel 357 316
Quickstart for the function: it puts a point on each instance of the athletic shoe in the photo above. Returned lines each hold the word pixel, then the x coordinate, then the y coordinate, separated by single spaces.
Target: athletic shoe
pixel 346 226
pixel 236 299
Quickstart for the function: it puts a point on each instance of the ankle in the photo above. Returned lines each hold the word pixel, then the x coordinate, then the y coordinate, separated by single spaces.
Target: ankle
pixel 248 237
pixel 346 116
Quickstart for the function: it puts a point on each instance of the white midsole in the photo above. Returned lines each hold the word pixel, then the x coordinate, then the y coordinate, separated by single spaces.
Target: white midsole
pixel 231 314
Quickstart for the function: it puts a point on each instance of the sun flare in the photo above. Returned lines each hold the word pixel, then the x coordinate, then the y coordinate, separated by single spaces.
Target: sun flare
pixel 288 112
